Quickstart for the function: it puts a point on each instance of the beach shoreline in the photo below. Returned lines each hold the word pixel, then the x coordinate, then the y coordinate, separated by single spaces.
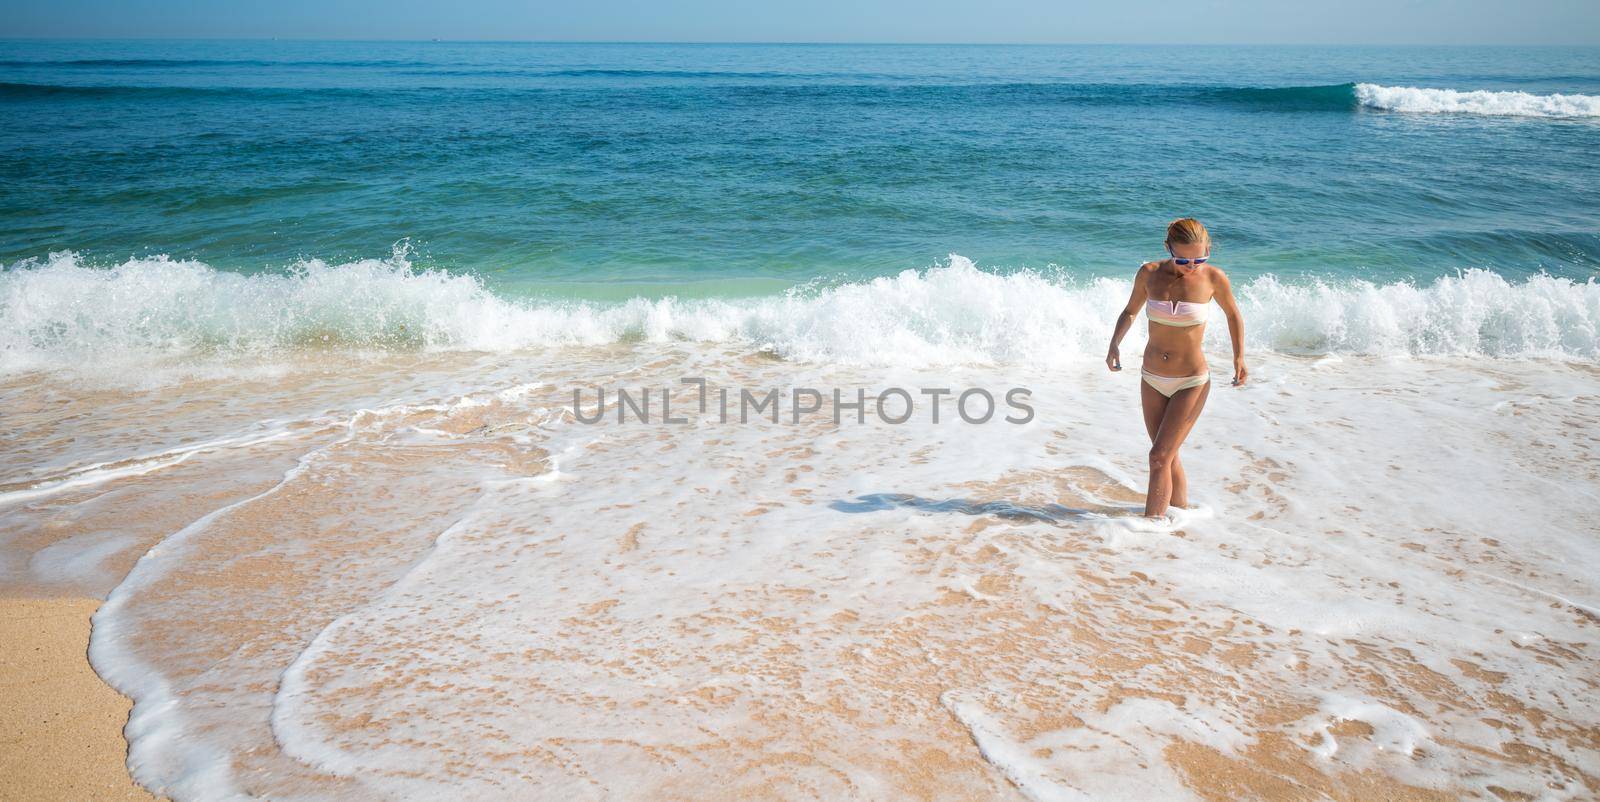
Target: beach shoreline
pixel 61 724
pixel 299 568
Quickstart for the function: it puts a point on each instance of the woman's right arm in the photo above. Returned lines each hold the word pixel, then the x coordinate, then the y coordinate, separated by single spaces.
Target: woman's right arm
pixel 1125 320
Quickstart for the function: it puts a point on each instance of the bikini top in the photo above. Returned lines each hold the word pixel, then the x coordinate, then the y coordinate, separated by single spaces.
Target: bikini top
pixel 1177 313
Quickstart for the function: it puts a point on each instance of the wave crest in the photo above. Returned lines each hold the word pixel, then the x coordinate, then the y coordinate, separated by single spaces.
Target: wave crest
pixel 1450 101
pixel 62 314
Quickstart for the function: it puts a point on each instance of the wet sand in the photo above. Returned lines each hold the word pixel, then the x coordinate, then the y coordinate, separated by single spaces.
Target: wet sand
pixel 428 581
pixel 60 726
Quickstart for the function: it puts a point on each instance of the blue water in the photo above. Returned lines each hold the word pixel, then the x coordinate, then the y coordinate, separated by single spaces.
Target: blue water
pixel 742 169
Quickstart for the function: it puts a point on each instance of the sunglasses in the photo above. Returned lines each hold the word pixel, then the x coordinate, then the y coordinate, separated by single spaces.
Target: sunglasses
pixel 1200 261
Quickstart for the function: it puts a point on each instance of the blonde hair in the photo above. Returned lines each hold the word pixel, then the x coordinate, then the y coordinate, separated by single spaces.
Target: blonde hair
pixel 1187 231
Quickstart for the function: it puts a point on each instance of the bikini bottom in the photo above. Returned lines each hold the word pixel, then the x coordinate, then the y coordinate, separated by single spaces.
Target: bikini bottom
pixel 1167 385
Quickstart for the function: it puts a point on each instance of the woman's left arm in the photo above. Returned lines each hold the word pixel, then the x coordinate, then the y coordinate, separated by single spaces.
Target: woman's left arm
pixel 1230 307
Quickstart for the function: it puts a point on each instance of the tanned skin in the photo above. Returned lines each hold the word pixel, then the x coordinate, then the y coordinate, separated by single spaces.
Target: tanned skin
pixel 1176 351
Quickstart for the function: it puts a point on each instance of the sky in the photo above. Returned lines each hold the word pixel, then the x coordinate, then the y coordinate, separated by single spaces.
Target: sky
pixel 1523 22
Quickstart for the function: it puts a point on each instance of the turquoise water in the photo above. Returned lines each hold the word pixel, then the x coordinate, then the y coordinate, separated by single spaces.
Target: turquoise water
pixel 531 163
pixel 142 180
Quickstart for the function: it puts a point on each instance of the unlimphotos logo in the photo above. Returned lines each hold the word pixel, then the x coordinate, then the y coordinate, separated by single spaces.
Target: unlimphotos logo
pixel 891 405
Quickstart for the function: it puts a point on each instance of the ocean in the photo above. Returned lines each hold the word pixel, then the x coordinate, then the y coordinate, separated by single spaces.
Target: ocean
pixel 300 342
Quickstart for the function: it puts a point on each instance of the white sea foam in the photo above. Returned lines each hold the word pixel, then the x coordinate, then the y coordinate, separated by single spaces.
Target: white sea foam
pixel 1450 101
pixel 100 473
pixel 1392 730
pixel 63 314
pixel 1021 768
pixel 651 615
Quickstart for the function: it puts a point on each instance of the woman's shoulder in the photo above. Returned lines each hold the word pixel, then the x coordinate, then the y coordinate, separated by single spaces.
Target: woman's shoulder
pixel 1216 280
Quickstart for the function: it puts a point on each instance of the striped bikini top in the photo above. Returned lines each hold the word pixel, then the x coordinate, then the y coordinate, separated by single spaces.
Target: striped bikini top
pixel 1177 313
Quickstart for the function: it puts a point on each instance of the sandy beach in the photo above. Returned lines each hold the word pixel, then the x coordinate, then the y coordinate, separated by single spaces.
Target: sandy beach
pixel 61 726
pixel 394 578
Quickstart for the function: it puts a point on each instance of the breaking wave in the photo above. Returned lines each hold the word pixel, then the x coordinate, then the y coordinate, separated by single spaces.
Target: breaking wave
pixel 1450 101
pixel 60 313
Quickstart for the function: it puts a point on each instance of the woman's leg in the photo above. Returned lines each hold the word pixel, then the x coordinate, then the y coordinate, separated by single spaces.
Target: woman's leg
pixel 1179 496
pixel 1155 406
pixel 1172 426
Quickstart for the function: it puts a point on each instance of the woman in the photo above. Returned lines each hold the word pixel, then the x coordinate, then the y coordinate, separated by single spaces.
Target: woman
pixel 1176 294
